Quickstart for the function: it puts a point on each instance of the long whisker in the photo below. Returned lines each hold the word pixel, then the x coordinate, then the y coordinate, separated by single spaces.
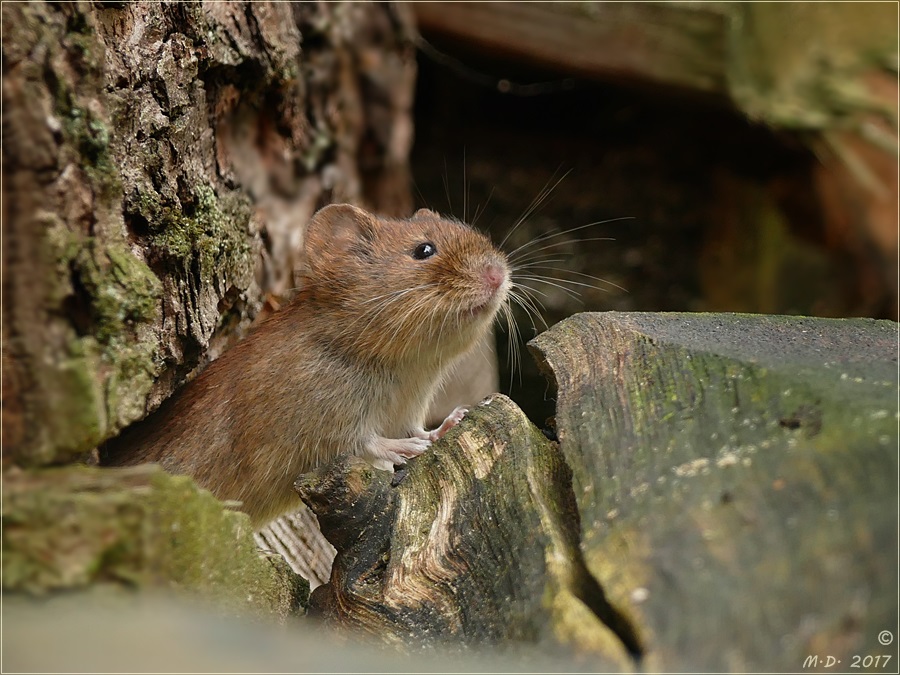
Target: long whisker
pixel 481 209
pixel 505 310
pixel 532 263
pixel 512 341
pixel 419 192
pixel 527 255
pixel 547 237
pixel 580 274
pixel 531 310
pixel 520 301
pixel 536 202
pixel 532 293
pixel 446 178
pixel 546 280
pixel 465 190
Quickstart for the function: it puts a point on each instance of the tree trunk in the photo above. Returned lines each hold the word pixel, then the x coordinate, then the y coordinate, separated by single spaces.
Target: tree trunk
pixel 160 163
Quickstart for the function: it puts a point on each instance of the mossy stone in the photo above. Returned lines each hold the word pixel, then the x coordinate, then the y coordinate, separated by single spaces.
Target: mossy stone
pixel 140 527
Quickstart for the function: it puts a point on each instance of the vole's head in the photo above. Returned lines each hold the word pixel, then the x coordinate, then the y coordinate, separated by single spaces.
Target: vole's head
pixel 422 287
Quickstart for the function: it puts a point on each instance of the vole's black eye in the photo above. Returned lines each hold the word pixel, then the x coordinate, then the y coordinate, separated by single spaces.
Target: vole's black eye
pixel 424 250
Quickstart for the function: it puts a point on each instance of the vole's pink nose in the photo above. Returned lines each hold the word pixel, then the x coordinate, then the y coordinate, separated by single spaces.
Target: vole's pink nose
pixel 494 276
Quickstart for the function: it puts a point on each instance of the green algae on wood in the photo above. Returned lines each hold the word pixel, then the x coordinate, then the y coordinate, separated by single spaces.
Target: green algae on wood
pixel 75 527
pixel 736 479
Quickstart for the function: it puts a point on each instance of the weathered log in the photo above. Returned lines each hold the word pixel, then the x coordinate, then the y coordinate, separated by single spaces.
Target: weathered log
pixel 668 43
pixel 731 507
pixel 476 542
pixel 296 537
pixel 736 478
pixel 749 54
pixel 77 527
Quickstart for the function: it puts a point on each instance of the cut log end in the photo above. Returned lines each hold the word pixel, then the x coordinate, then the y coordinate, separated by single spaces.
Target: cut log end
pixel 477 544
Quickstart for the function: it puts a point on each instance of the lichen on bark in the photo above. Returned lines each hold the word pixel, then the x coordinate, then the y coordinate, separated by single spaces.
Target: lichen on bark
pixel 164 160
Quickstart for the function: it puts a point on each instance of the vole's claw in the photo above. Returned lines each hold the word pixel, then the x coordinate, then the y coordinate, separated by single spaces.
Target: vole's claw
pixel 396 450
pixel 412 447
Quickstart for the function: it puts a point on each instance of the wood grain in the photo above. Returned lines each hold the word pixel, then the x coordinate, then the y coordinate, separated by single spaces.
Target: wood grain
pixel 736 480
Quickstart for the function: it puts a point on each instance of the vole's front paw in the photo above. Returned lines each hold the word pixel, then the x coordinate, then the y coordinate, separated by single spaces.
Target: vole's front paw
pixel 451 421
pixel 396 450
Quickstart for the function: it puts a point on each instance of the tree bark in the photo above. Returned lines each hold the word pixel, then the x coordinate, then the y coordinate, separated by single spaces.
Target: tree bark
pixel 160 162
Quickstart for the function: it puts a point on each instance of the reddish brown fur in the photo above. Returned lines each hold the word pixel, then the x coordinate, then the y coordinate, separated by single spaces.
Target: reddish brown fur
pixel 338 369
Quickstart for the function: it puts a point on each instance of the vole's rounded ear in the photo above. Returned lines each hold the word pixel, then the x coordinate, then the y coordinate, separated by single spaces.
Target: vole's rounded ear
pixel 339 224
pixel 426 213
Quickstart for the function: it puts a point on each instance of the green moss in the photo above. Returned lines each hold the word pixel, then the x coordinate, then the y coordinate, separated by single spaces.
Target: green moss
pixel 289 73
pixel 90 137
pixel 79 419
pixel 212 229
pixel 747 403
pixel 116 360
pixel 142 285
pixel 64 244
pixel 132 371
pixel 87 134
pixel 77 526
pixel 83 130
pixel 122 290
pixel 62 247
